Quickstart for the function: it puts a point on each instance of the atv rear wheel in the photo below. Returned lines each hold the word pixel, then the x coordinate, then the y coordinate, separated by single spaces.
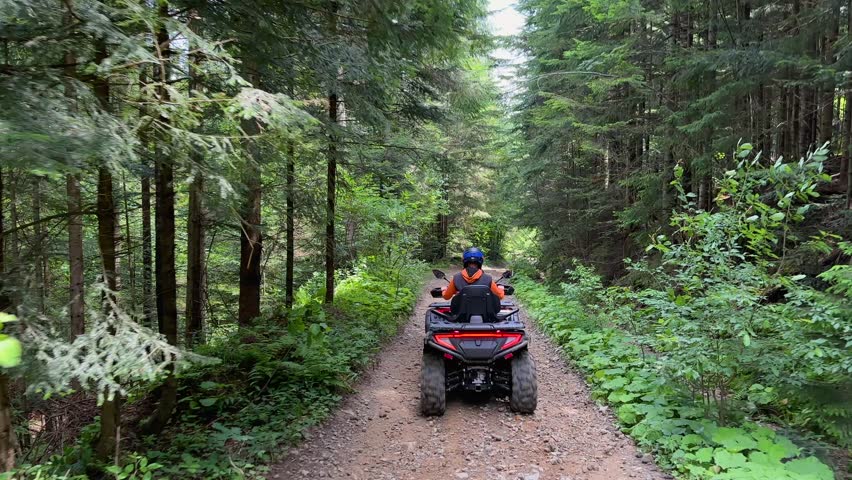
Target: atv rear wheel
pixel 433 385
pixel 524 397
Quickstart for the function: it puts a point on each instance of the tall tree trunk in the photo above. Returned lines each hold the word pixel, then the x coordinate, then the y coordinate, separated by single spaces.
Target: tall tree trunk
pixel 110 410
pixel 75 218
pixel 809 103
pixel 291 226
pixel 14 251
pixel 75 255
pixel 331 193
pixel 8 442
pixel 796 122
pixel 166 293
pixel 826 116
pixel 784 120
pixel 131 264
pixel 331 173
pixel 767 99
pixel 147 254
pixel 38 245
pixel 195 270
pixel 165 240
pixel 251 237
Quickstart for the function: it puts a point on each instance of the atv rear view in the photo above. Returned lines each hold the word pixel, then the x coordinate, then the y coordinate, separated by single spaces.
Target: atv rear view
pixel 476 343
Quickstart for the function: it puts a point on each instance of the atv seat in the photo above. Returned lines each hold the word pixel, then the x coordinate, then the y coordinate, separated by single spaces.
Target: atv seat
pixel 475 304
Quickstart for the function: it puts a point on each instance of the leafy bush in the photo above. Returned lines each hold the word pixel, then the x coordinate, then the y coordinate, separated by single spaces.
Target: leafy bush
pixel 660 416
pixel 277 379
pixel 710 315
pixel 273 381
pixel 722 333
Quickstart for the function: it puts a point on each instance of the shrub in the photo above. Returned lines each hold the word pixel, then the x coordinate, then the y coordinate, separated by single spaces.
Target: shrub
pixel 660 416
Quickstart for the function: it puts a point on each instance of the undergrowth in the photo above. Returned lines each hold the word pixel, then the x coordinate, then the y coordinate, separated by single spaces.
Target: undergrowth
pixel 274 381
pixel 662 419
pixel 719 334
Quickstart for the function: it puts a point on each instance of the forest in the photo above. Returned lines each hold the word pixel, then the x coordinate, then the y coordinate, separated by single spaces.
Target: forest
pixel 215 214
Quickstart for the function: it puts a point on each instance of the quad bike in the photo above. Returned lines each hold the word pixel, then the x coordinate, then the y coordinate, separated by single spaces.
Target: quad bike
pixel 476 343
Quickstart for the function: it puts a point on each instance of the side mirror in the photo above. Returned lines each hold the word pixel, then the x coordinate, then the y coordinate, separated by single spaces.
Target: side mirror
pixel 439 274
pixel 507 274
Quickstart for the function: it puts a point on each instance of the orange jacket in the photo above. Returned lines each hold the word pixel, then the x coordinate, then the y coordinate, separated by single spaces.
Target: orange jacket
pixel 452 289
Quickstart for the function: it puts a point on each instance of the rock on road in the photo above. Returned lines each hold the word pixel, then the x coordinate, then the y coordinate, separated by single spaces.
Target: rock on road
pixel 377 432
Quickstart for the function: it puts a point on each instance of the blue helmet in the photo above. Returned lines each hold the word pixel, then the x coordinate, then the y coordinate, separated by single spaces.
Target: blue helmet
pixel 473 255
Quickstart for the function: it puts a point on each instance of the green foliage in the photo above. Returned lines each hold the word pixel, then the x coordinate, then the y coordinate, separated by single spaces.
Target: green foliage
pixel 393 226
pixel 721 333
pixel 136 467
pixel 283 375
pixel 268 384
pixel 522 250
pixel 707 316
pixel 661 416
pixel 114 354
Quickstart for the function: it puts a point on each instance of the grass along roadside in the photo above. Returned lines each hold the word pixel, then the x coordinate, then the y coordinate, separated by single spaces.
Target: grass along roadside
pixel 663 419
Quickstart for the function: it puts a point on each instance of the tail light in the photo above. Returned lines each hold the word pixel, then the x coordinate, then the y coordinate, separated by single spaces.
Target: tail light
pixel 443 309
pixel 512 338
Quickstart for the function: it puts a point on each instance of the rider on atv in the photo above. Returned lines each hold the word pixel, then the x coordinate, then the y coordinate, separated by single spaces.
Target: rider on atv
pixel 472 274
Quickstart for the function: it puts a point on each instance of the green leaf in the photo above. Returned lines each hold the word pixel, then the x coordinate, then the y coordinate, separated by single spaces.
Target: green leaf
pixel 790 448
pixel 10 352
pixel 746 339
pixel 691 439
pixel 6 318
pixel 728 460
pixel 778 216
pixel 627 414
pixel 812 467
pixel 615 383
pixel 208 385
pixel 733 439
pixel 207 402
pixel 704 455
pixel 774 452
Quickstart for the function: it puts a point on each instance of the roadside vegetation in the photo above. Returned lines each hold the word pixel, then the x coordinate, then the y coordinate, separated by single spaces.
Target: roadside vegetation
pixel 714 356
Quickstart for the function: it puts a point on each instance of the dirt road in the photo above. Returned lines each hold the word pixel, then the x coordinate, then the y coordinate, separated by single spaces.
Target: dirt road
pixel 377 432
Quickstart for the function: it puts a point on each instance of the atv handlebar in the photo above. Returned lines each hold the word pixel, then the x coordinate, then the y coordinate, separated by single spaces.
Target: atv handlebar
pixel 438 292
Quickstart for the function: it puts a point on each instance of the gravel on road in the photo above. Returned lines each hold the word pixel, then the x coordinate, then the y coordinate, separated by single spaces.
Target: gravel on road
pixel 377 433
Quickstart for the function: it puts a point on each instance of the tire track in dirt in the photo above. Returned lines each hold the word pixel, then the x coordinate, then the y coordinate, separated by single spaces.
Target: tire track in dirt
pixel 377 433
